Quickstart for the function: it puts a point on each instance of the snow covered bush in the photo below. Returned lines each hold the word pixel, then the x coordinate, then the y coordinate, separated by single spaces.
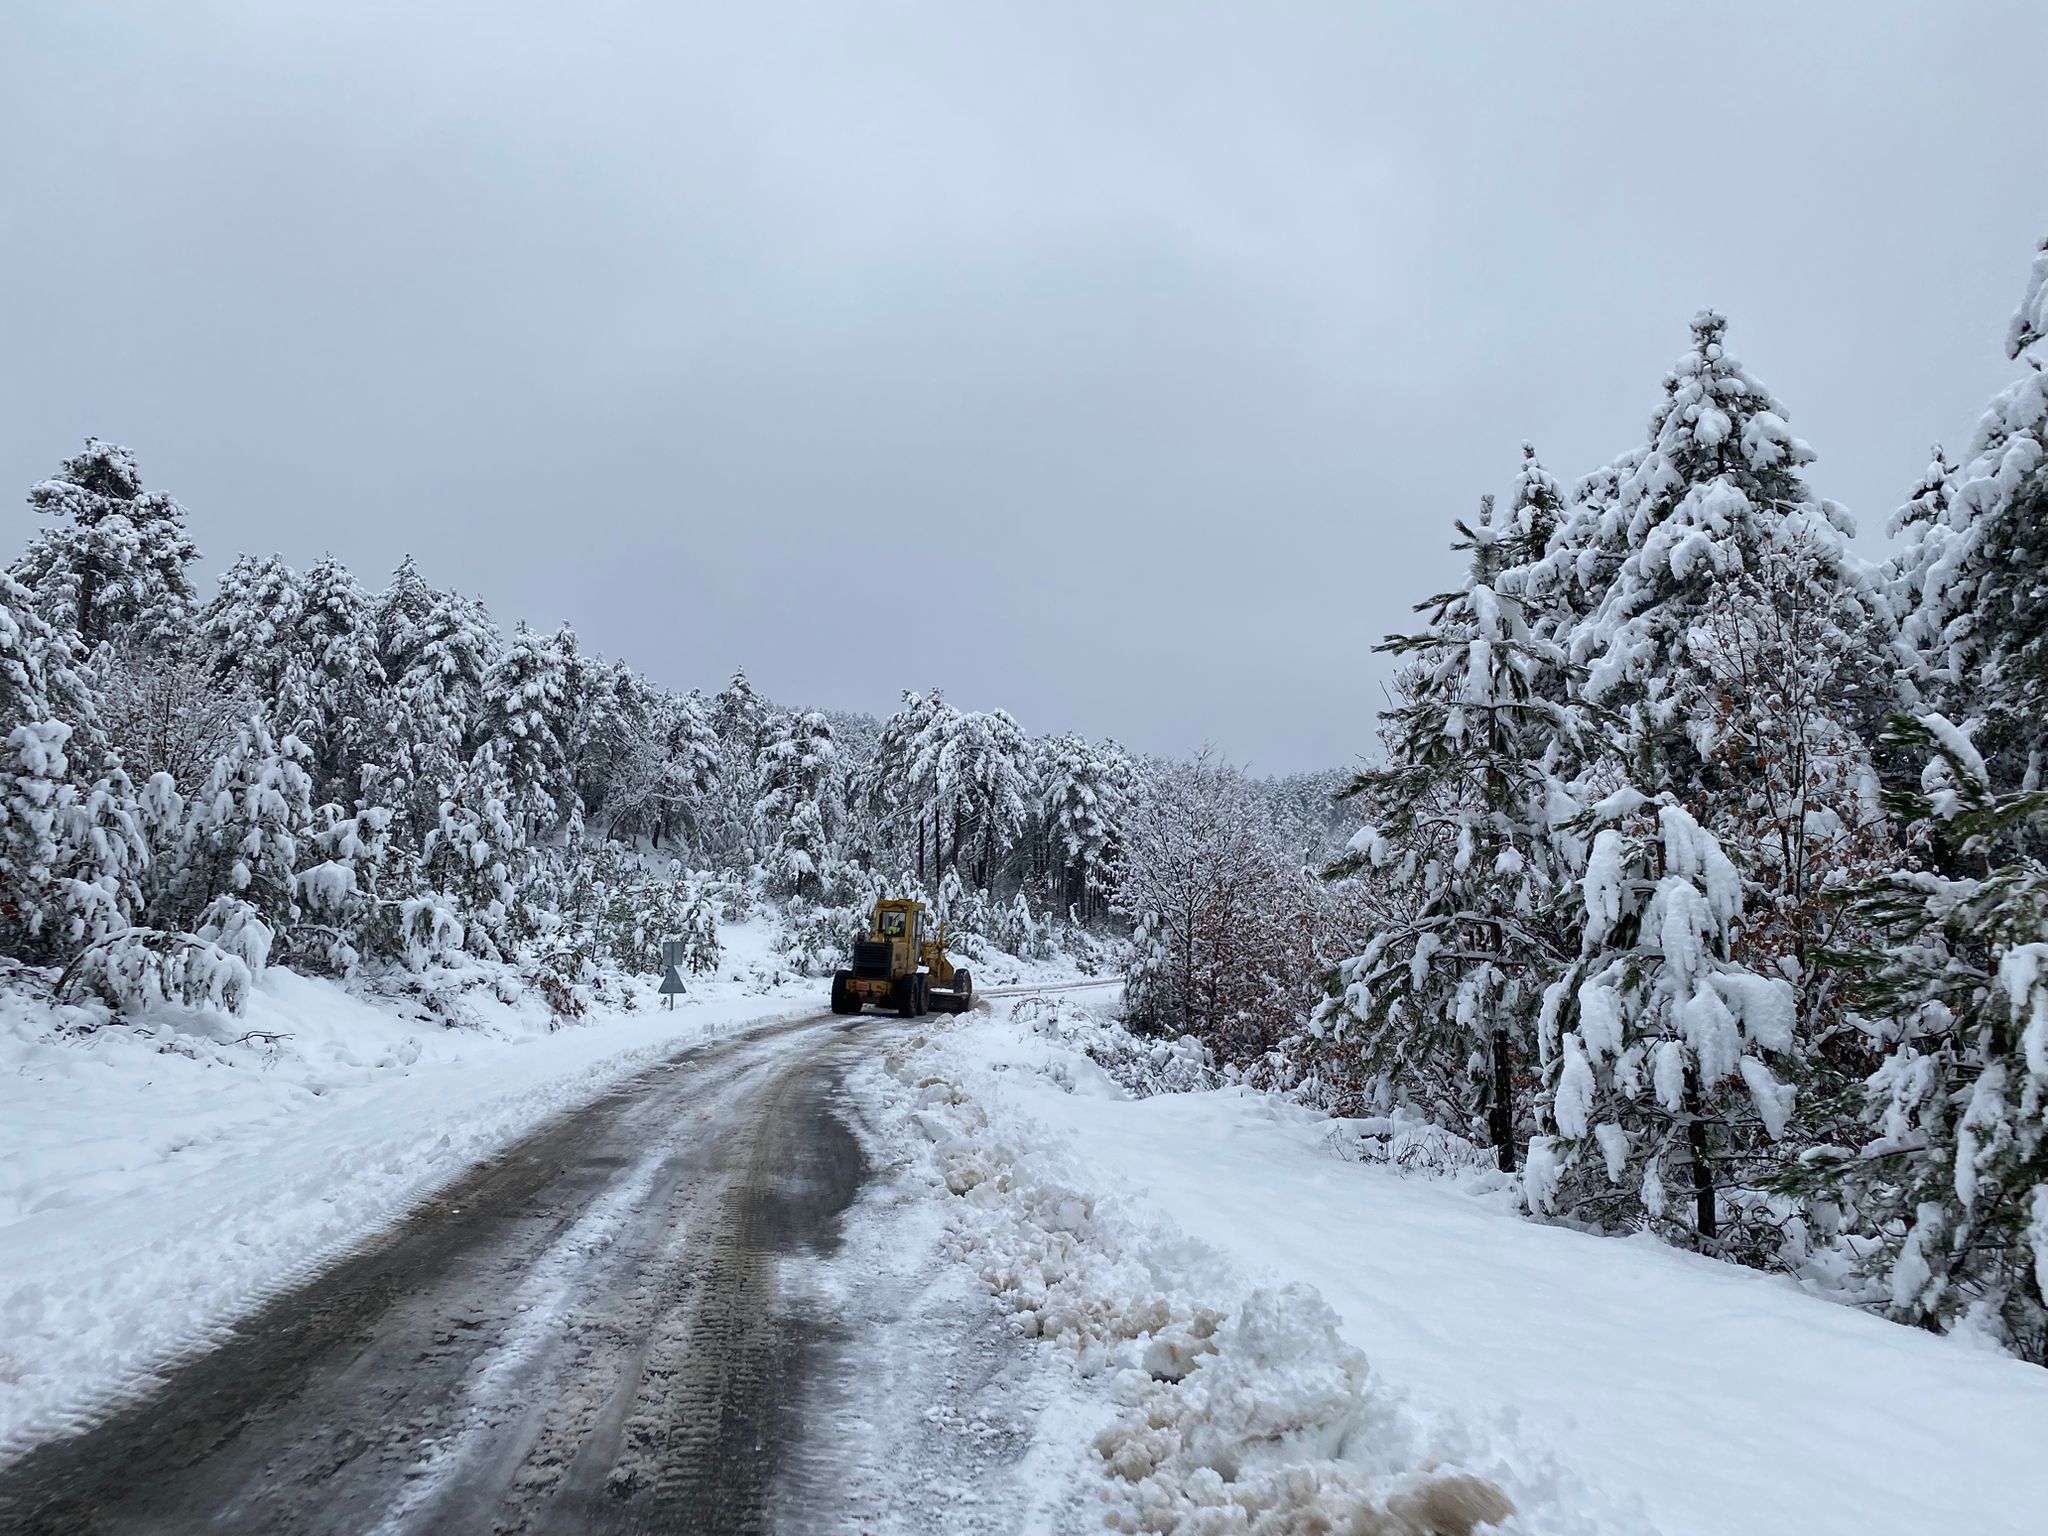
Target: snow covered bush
pixel 818 940
pixel 1140 1065
pixel 142 969
pixel 467 858
pixel 344 911
pixel 699 932
pixel 1408 1141
pixel 72 847
pixel 236 928
pixel 797 815
pixel 639 906
pixel 735 897
pixel 429 935
pixel 1016 930
pixel 242 830
pixel 167 711
pixel 71 851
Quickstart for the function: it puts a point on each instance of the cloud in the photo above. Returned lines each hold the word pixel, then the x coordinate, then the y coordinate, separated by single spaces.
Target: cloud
pixel 1124 366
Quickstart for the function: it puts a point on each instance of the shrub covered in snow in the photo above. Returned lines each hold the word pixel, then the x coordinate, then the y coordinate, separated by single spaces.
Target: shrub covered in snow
pixel 1412 1143
pixel 818 940
pixel 1139 1064
pixel 141 969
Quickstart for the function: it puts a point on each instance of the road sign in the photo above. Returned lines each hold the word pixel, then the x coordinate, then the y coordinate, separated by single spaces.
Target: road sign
pixel 672 955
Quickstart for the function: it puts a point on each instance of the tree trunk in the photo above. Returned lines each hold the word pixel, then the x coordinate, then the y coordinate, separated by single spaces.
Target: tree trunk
pixel 1500 1115
pixel 88 593
pixel 1704 1220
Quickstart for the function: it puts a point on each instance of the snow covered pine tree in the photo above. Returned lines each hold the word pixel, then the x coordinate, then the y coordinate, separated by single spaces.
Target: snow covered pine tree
pixel 1731 642
pixel 115 564
pixel 1953 1178
pixel 1463 838
pixel 71 847
pixel 1658 1044
pixel 1976 571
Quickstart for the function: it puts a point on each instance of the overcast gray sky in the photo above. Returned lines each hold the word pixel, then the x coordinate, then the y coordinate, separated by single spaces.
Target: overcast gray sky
pixel 1122 365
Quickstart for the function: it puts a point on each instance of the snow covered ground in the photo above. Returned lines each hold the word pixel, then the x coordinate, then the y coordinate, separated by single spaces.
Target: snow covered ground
pixel 1245 1330
pixel 1601 1385
pixel 156 1181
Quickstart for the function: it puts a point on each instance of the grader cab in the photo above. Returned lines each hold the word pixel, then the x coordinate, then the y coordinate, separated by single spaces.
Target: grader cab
pixel 898 964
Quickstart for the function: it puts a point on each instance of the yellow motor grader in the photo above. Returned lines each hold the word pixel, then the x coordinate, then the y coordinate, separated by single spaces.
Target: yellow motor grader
pixel 897 966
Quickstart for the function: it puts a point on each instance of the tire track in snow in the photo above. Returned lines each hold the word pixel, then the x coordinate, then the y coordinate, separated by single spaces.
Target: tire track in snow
pixel 407 1386
pixel 593 1261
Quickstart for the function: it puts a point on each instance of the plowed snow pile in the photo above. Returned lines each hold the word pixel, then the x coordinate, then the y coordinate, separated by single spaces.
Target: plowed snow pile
pixel 1241 1408
pixel 1300 1343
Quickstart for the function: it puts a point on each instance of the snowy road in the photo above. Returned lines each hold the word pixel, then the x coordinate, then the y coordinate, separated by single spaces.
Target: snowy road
pixel 584 1334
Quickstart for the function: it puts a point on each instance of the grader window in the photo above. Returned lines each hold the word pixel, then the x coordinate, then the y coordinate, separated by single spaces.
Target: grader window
pixel 892 925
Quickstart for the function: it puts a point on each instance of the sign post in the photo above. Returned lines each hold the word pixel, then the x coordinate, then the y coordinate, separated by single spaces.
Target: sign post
pixel 672 954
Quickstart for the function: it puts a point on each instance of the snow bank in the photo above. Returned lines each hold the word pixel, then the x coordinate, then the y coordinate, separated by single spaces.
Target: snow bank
pixel 158 1180
pixel 1240 1406
pixel 1699 1398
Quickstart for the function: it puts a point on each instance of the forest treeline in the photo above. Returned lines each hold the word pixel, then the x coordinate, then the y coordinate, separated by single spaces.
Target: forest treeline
pixel 297 769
